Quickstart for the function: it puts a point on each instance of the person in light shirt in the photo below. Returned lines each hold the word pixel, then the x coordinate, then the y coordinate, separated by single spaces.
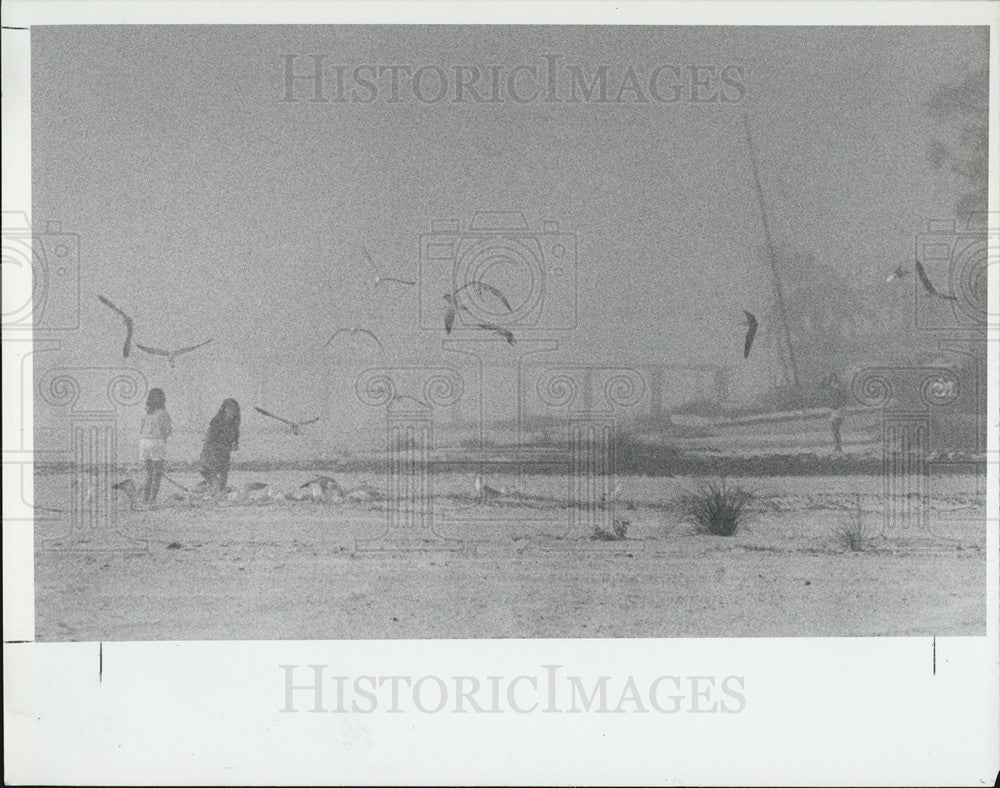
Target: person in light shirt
pixel 153 433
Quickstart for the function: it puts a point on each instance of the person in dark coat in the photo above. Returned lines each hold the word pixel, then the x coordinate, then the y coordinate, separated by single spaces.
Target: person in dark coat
pixel 223 437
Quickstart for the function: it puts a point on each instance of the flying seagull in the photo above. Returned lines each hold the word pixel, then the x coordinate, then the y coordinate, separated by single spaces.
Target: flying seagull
pixel 420 402
pixel 352 332
pixel 930 287
pixel 454 305
pixel 751 333
pixel 500 331
pixel 128 324
pixel 379 279
pixel 899 273
pixel 483 287
pixel 449 314
pixel 171 354
pixel 295 425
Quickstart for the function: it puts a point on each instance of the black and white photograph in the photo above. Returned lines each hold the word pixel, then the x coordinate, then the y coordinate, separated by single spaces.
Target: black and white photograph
pixel 456 331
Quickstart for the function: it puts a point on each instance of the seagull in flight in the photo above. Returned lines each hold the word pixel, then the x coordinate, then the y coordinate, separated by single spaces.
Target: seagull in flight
pixel 420 402
pixel 379 279
pixel 295 425
pixel 449 314
pixel 506 333
pixel 899 273
pixel 128 324
pixel 171 354
pixel 929 287
pixel 751 325
pixel 352 332
pixel 454 305
pixel 483 287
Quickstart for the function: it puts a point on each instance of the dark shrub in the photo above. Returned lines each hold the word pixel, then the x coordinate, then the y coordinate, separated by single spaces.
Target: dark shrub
pixel 716 508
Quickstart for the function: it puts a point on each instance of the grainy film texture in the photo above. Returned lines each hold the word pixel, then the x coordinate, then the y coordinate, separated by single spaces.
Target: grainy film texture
pixel 440 332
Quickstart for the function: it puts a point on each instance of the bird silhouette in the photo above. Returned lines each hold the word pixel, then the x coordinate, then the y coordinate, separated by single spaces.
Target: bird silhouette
pixel 506 333
pixel 483 287
pixel 295 425
pixel 171 355
pixel 455 305
pixel 379 278
pixel 899 273
pixel 352 332
pixel 129 489
pixel 449 314
pixel 322 488
pixel 128 324
pixel 929 287
pixel 419 402
pixel 751 325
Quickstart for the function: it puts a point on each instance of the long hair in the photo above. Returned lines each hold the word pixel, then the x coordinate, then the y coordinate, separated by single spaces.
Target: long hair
pixel 155 400
pixel 228 424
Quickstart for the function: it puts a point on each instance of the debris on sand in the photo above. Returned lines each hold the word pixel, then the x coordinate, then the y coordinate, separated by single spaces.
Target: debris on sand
pixel 129 489
pixel 174 546
pixel 619 531
pixel 322 488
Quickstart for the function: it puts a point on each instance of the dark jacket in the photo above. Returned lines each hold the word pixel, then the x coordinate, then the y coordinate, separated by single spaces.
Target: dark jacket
pixel 223 437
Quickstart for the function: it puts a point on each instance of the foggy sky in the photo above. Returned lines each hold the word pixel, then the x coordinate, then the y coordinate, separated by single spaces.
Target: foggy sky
pixel 209 208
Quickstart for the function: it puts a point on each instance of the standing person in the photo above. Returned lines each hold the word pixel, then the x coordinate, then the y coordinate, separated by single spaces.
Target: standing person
pixel 223 437
pixel 836 420
pixel 837 397
pixel 153 433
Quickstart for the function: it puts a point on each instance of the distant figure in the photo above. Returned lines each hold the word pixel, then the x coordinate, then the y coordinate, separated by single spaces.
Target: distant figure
pixel 837 399
pixel 153 433
pixel 836 419
pixel 223 437
pixel 751 324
